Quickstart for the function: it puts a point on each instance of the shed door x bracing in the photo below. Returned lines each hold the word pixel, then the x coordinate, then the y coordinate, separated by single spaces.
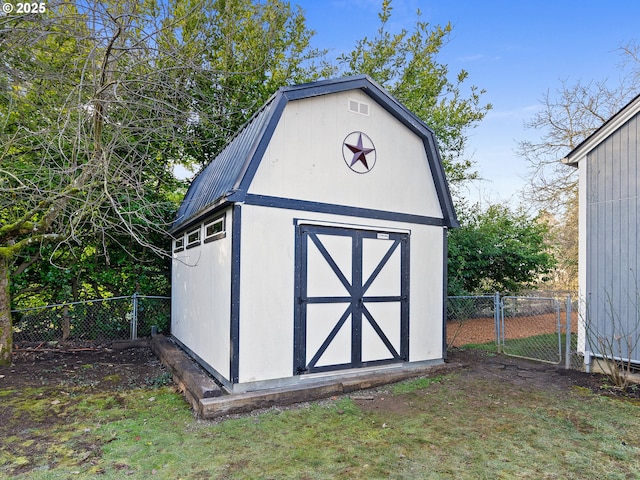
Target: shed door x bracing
pixel 352 293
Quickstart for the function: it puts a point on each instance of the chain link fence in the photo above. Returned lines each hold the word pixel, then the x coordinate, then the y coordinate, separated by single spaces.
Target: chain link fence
pixel 93 321
pixel 472 320
pixel 540 328
pixel 535 327
pixel 530 328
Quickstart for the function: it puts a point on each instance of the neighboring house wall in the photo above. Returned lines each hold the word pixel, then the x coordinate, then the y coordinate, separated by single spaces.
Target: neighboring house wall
pixel 611 238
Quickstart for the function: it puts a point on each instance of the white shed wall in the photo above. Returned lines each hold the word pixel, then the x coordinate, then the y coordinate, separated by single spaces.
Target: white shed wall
pixel 427 293
pixel 267 283
pixel 266 294
pixel 201 299
pixel 304 158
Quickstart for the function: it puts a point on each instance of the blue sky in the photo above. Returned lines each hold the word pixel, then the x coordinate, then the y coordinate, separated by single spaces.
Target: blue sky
pixel 516 50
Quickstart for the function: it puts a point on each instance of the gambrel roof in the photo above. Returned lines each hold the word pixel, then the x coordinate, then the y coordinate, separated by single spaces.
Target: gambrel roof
pixel 228 177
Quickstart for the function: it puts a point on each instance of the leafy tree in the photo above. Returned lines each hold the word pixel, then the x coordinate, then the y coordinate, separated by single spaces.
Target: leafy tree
pixel 84 101
pixel 406 64
pixel 497 250
pixel 250 49
pixel 48 275
pixel 98 101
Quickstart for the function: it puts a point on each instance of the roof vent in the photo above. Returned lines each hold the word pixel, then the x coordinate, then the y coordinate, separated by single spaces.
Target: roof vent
pixel 358 107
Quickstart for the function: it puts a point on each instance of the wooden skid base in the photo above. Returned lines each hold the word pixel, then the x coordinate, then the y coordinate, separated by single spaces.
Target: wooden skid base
pixel 194 382
pixel 209 401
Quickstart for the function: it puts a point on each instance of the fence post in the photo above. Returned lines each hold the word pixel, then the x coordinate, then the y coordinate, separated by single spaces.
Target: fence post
pixel 496 319
pixel 134 317
pixel 567 341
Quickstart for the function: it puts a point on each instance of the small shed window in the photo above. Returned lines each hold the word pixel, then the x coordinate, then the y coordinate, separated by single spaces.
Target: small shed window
pixel 215 229
pixel 179 244
pixel 193 238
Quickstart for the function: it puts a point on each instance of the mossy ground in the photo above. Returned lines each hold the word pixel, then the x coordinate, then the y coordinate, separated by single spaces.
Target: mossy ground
pixel 497 417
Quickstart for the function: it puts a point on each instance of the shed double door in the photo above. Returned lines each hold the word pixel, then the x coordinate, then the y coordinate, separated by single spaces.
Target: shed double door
pixel 352 298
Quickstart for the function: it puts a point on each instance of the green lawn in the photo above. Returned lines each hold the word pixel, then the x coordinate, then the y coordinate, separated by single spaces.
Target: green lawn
pixel 458 426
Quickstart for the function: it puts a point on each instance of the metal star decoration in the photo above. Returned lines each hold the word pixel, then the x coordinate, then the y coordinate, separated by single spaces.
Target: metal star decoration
pixel 359 152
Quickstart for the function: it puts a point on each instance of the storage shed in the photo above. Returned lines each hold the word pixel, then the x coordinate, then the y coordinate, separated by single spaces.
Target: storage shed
pixel 314 245
pixel 609 236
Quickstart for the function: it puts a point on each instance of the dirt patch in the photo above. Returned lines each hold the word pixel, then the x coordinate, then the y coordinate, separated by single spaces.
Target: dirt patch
pixel 482 330
pixel 106 369
pixel 90 368
pixel 515 374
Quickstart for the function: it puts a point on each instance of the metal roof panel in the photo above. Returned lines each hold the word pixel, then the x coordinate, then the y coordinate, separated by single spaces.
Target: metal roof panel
pixel 221 176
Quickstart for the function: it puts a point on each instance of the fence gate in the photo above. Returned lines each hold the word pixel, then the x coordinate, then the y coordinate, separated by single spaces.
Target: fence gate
pixel 530 328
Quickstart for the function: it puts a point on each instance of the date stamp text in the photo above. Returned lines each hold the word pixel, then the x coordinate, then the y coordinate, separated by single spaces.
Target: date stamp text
pixel 22 8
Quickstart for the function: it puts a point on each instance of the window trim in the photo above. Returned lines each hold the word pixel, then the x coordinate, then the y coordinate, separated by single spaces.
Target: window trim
pixel 178 245
pixel 217 235
pixel 197 241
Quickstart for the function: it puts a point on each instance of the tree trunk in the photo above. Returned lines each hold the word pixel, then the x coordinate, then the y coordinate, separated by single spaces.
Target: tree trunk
pixel 6 333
